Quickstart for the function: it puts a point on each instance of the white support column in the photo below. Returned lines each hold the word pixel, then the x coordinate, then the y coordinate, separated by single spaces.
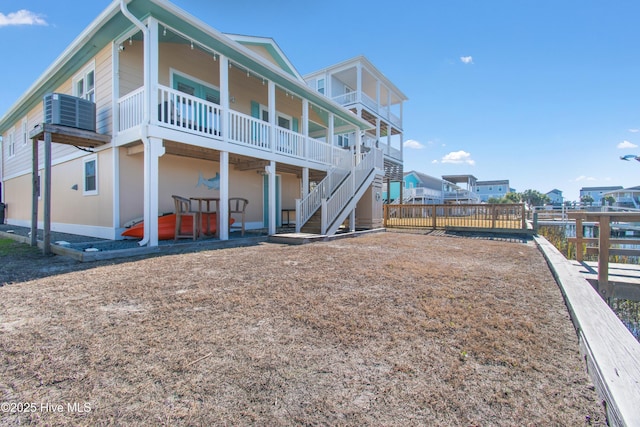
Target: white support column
pixel 359 81
pixel 224 197
pixel 328 90
pixel 358 144
pixel 330 134
pixel 115 95
pixel 352 220
pixel 153 68
pixel 377 132
pixel 224 96
pixel 378 94
pixel 305 182
pixel 305 126
pixel 153 150
pixel 271 173
pixel 115 87
pixel 272 115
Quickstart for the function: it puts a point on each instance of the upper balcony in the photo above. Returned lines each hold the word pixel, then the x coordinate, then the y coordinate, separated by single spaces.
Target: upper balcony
pixel 186 113
pixel 359 86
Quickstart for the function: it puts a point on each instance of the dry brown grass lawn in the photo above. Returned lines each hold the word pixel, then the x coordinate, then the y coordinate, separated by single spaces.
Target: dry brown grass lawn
pixel 384 329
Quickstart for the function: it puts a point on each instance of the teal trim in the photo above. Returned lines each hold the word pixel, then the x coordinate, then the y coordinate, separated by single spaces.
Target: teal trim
pixel 294 125
pixel 198 89
pixel 255 110
pixel 255 113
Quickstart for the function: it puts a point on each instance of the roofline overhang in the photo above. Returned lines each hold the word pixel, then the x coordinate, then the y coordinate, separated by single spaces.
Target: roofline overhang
pixel 235 51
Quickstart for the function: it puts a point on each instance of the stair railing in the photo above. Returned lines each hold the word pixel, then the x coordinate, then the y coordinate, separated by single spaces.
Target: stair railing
pixel 342 196
pixel 308 205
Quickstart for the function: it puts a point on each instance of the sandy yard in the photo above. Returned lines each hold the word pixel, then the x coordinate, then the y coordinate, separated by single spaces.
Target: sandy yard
pixel 384 329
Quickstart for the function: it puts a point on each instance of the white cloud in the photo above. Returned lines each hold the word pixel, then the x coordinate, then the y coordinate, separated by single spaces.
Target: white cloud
pixel 634 130
pixel 627 144
pixel 585 178
pixel 21 17
pixel 466 59
pixel 435 161
pixel 458 157
pixel 412 143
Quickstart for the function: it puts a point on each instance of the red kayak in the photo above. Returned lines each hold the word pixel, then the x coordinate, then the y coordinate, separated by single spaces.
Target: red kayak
pixel 167 226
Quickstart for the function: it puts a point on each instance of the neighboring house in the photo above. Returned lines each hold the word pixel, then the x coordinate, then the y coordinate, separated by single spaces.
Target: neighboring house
pixel 497 189
pixel 597 193
pixel 359 86
pixel 555 197
pixel 460 189
pixel 421 188
pixel 179 104
pixel 626 198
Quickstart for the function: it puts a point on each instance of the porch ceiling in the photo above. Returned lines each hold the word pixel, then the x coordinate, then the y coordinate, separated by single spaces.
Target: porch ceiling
pixel 239 162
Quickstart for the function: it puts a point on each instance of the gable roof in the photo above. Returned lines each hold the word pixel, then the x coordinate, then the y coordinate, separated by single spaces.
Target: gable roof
pixel 275 54
pixel 425 180
pixel 112 25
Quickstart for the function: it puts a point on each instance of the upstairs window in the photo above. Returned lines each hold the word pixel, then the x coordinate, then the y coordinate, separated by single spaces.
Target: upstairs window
pixel 84 84
pixel 320 86
pixel 11 144
pixel 25 133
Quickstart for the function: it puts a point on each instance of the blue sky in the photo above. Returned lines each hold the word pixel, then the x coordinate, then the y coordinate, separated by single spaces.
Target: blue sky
pixel 545 93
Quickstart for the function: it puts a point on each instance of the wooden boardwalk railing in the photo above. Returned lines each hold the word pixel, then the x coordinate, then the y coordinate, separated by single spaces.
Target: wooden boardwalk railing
pixel 473 217
pixel 604 241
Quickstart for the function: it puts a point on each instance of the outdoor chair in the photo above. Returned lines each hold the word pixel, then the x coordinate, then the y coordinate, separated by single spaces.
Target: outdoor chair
pixel 238 205
pixel 184 210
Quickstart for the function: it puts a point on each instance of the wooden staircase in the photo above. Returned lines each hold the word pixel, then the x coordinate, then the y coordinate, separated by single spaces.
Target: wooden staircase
pixel 332 203
pixel 314 224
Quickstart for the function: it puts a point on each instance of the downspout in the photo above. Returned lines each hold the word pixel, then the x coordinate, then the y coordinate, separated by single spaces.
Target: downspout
pixel 144 130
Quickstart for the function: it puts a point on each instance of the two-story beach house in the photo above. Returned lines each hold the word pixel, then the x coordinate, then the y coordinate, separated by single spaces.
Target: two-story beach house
pixel 494 189
pixel 149 102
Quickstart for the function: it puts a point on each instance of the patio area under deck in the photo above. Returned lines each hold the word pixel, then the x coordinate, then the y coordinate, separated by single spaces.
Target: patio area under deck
pixel 247 178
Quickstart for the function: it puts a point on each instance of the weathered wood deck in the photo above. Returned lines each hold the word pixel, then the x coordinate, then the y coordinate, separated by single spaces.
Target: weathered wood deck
pixel 611 352
pixel 625 278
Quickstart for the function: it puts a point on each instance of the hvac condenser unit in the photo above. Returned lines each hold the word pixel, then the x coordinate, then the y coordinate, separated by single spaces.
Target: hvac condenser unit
pixel 66 110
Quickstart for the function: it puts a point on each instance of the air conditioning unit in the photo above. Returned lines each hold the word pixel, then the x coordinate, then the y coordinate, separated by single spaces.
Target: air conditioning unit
pixel 66 110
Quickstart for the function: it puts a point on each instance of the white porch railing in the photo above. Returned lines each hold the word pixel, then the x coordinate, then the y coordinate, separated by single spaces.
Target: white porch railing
pixel 131 109
pixel 186 112
pixel 346 98
pixel 247 130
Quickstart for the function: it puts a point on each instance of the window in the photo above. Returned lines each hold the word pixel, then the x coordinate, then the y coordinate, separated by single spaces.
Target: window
pixel 320 86
pixel 343 140
pixel 11 144
pixel 25 133
pixel 84 84
pixel 90 173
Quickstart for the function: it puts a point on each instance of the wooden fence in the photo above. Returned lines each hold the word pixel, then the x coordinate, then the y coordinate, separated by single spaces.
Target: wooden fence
pixel 604 242
pixel 472 217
